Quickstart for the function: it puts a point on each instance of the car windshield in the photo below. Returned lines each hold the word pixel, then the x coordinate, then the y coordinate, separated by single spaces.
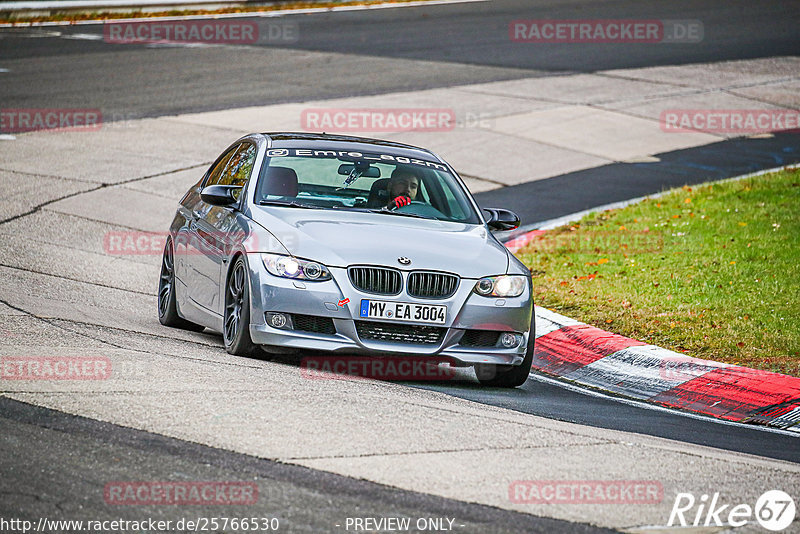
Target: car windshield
pixel 356 181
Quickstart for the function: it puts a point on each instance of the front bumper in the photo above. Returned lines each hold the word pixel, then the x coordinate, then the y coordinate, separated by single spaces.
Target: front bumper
pixel 465 311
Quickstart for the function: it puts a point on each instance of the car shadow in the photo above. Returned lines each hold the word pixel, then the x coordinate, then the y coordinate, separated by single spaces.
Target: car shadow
pixel 413 371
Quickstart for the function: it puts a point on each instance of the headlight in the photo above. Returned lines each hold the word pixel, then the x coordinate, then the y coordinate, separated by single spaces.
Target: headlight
pixel 507 285
pixel 289 267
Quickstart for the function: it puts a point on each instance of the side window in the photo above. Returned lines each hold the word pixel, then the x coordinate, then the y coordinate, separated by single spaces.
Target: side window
pixel 422 192
pixel 453 209
pixel 216 172
pixel 239 166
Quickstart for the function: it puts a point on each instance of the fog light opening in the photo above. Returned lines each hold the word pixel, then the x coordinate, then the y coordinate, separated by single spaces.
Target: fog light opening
pixel 509 340
pixel 278 320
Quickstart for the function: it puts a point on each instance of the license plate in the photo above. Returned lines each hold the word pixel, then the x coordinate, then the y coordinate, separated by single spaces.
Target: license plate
pixel 403 311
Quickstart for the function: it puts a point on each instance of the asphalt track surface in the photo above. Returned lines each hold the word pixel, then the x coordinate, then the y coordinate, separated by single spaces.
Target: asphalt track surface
pixel 348 54
pixel 367 52
pixel 81 454
pixel 543 200
pixel 545 399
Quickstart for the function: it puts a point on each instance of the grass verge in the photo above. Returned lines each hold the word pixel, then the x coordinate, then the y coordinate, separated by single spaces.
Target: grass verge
pixel 710 270
pixel 72 15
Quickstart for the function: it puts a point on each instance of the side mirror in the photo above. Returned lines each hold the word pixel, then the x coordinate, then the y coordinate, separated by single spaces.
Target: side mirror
pixel 502 220
pixel 220 195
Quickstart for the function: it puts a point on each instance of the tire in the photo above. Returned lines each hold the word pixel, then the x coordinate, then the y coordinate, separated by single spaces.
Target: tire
pixel 167 309
pixel 236 325
pixel 508 376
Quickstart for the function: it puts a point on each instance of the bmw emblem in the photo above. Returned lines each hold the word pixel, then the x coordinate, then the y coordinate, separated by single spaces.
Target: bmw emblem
pixel 404 261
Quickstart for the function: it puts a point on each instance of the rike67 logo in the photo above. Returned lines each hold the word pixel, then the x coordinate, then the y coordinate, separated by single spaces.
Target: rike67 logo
pixel 774 510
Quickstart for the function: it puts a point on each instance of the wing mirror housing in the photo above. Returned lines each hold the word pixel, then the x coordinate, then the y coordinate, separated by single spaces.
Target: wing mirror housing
pixel 220 195
pixel 501 219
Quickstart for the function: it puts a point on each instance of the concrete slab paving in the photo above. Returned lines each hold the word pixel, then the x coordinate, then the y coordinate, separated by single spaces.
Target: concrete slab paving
pixel 92 309
pixel 470 109
pixel 505 158
pixel 119 370
pixel 159 393
pixel 724 74
pixel 468 104
pixel 784 94
pixel 182 343
pixel 24 335
pixel 8 310
pixel 171 186
pixel 50 296
pixel 242 121
pixel 19 330
pixel 577 89
pixel 603 134
pixel 77 234
pixel 274 425
pixel 648 460
pixel 23 253
pixel 143 211
pixel 116 153
pixel 25 192
pixel 711 100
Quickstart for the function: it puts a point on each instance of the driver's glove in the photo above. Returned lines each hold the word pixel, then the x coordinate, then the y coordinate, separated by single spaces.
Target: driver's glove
pixel 399 202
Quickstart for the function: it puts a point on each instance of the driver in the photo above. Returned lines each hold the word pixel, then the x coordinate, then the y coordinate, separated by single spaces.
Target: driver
pixel 402 187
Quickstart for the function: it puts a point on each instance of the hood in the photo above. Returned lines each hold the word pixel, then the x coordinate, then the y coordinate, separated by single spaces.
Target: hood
pixel 343 238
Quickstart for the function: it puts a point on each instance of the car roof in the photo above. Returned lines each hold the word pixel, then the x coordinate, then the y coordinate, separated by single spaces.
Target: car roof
pixel 349 143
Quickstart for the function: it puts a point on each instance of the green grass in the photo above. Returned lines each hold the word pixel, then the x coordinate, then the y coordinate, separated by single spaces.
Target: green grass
pixel 710 270
pixel 75 15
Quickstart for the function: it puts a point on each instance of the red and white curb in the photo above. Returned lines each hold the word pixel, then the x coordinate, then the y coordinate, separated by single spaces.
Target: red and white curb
pixel 594 358
pixel 591 357
pixel 519 242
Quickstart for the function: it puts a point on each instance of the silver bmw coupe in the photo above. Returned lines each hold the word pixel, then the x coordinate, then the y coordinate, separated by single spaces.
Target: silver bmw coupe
pixel 295 241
